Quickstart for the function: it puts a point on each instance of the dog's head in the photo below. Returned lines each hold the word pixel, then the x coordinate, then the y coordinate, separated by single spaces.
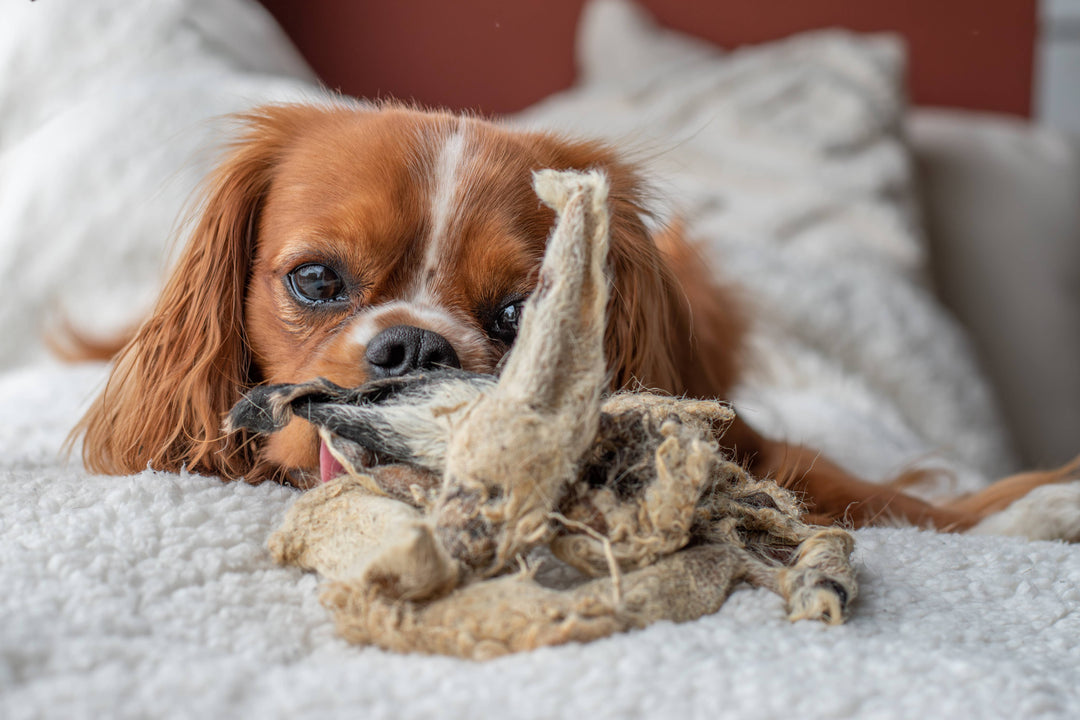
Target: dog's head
pixel 353 243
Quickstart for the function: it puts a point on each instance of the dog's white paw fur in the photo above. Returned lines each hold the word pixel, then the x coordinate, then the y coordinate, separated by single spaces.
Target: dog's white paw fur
pixel 1050 512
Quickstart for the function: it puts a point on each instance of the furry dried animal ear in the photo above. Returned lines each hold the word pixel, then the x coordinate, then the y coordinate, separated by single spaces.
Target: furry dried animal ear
pixel 188 363
pixel 631 490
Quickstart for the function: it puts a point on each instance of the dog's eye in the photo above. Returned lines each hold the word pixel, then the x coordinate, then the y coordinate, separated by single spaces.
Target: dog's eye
pixel 505 327
pixel 316 283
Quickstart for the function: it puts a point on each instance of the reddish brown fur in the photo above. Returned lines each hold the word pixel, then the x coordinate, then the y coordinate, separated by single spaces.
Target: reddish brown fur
pixel 306 183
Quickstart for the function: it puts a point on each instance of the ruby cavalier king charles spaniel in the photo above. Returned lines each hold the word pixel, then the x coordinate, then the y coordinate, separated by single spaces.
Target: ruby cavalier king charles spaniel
pixel 352 243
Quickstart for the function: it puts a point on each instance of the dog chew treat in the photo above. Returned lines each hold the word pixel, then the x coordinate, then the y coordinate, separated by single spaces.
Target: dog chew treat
pixel 454 481
pixel 515 451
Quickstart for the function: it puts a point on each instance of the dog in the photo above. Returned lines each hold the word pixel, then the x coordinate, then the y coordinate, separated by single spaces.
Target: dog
pixel 352 242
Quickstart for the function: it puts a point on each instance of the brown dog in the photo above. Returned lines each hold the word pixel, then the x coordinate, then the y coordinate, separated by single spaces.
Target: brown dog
pixel 352 243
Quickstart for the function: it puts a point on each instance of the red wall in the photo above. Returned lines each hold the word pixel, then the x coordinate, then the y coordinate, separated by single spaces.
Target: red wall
pixel 501 55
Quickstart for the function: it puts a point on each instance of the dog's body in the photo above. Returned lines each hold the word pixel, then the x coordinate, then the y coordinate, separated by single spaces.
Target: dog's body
pixel 352 243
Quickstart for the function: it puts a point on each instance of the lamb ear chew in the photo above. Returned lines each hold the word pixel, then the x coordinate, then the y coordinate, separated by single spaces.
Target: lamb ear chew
pixel 631 490
pixel 558 357
pixel 546 405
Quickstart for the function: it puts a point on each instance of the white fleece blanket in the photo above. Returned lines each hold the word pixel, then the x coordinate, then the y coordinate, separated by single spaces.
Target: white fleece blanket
pixel 153 595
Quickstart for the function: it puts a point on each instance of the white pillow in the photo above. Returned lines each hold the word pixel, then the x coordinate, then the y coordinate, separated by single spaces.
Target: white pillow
pixel 106 127
pixel 1002 202
pixel 787 162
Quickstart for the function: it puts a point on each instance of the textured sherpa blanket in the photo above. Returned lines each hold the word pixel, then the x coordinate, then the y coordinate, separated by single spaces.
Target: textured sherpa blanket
pixel 154 596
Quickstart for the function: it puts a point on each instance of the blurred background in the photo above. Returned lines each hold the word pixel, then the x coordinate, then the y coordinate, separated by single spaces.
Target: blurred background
pixel 1020 57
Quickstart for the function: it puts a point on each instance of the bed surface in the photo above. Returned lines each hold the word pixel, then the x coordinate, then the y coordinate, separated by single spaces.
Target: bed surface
pixel 153 595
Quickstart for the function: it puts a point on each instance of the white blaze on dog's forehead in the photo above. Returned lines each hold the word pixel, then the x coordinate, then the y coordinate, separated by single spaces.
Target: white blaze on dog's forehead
pixel 376 319
pixel 445 195
pixel 365 328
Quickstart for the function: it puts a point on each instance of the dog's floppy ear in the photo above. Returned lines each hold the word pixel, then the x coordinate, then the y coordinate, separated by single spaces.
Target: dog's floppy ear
pixel 188 363
pixel 671 325
pixel 709 323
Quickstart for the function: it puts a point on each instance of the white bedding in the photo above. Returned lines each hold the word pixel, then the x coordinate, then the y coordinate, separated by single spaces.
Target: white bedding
pixel 153 595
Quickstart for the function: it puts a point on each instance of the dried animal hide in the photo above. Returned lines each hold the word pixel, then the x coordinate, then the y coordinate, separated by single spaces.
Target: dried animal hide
pixel 454 478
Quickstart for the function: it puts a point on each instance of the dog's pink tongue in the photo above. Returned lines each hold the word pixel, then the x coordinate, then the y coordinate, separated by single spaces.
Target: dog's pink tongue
pixel 329 467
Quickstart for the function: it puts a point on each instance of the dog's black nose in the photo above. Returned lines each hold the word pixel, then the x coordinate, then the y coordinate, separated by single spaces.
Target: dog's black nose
pixel 401 349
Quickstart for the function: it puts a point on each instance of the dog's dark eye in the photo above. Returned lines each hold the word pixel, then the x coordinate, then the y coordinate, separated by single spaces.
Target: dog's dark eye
pixel 316 283
pixel 505 327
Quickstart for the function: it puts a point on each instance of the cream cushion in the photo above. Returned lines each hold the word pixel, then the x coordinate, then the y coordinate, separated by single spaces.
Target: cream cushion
pixel 1001 203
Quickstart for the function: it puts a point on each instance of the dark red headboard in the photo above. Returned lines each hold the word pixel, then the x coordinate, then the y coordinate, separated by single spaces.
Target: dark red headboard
pixel 501 55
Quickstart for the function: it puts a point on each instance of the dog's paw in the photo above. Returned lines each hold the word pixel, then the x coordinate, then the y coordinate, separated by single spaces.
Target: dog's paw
pixel 1050 512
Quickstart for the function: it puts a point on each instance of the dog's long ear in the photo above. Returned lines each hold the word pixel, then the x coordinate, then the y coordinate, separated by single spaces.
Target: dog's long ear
pixel 188 363
pixel 671 325
pixel 709 323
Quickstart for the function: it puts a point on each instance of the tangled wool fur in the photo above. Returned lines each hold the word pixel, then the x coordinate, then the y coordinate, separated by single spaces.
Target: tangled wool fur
pixel 454 478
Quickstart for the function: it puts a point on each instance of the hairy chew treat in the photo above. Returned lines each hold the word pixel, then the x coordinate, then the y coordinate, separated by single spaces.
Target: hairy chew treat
pixel 453 478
